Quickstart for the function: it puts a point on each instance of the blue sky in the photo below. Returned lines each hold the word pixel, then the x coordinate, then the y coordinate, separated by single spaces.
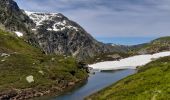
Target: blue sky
pixel 106 19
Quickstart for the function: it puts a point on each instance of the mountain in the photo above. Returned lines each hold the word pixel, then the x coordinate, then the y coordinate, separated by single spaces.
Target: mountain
pixel 26 71
pixel 157 45
pixel 13 19
pixel 52 32
pixel 57 34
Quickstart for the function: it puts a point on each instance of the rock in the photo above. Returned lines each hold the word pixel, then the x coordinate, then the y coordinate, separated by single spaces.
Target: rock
pixel 30 79
pixel 5 55
pixel 14 19
pixel 38 94
pixel 41 72
pixel 71 83
pixel 2 60
pixel 58 34
pixel 8 95
pixel 115 56
pixel 52 59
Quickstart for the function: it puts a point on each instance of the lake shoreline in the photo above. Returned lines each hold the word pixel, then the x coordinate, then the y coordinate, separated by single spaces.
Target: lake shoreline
pixel 31 93
pixel 150 80
pixel 94 83
pixel 89 97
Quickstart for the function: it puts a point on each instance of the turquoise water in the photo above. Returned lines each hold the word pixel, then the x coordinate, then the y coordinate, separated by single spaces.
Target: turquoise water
pixel 95 83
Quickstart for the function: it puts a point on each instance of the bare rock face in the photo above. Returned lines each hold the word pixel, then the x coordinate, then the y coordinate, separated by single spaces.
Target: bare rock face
pixel 52 32
pixel 13 19
pixel 57 34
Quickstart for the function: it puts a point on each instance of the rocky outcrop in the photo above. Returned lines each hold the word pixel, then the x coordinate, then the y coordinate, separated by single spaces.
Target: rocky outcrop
pixel 24 94
pixel 13 19
pixel 57 34
pixel 52 32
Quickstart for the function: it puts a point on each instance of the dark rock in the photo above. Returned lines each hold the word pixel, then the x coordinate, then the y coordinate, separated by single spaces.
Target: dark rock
pixel 57 34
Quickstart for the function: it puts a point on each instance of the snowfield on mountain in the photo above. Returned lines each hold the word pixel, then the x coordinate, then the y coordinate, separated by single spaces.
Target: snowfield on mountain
pixel 130 62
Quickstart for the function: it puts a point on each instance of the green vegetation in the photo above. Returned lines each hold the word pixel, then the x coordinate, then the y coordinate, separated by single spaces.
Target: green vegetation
pixel 163 39
pixel 157 45
pixel 18 60
pixel 109 57
pixel 152 82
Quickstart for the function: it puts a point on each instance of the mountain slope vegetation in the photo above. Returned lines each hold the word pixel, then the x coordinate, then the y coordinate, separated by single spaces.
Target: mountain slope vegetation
pixel 155 46
pixel 151 82
pixel 19 61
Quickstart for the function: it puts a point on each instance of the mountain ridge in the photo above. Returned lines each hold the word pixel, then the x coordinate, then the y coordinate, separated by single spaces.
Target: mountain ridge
pixel 69 38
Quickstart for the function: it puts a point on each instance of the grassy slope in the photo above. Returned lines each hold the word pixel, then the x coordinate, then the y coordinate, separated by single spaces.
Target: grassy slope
pixel 25 60
pixel 152 82
pixel 157 45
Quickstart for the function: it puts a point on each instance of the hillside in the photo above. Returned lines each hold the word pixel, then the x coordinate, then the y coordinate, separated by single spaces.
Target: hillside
pixel 155 46
pixel 27 72
pixel 151 82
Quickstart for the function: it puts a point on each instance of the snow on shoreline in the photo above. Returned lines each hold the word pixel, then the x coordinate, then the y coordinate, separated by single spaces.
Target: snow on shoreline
pixel 129 63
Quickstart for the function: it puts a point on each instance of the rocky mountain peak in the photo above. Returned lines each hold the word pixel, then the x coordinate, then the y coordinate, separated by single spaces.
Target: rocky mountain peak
pixel 53 21
pixel 52 32
pixel 57 34
pixel 13 18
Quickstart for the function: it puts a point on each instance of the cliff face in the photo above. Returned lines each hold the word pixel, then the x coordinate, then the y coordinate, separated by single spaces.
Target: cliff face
pixel 57 34
pixel 52 32
pixel 13 19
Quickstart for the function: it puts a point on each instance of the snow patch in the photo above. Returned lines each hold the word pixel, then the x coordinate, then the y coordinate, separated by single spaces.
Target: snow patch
pixel 49 29
pixel 59 25
pixel 34 29
pixel 39 17
pixel 19 34
pixel 30 79
pixel 129 63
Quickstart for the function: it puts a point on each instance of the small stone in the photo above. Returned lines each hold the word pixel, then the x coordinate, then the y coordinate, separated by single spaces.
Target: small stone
pixel 71 83
pixel 52 59
pixel 30 79
pixel 41 72
pixel 5 55
pixel 2 60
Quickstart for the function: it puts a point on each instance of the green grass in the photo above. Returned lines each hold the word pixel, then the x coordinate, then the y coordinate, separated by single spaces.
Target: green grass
pixel 167 38
pixel 25 60
pixel 157 45
pixel 152 82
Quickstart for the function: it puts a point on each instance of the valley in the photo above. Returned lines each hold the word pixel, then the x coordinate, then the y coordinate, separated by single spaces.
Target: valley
pixel 48 55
